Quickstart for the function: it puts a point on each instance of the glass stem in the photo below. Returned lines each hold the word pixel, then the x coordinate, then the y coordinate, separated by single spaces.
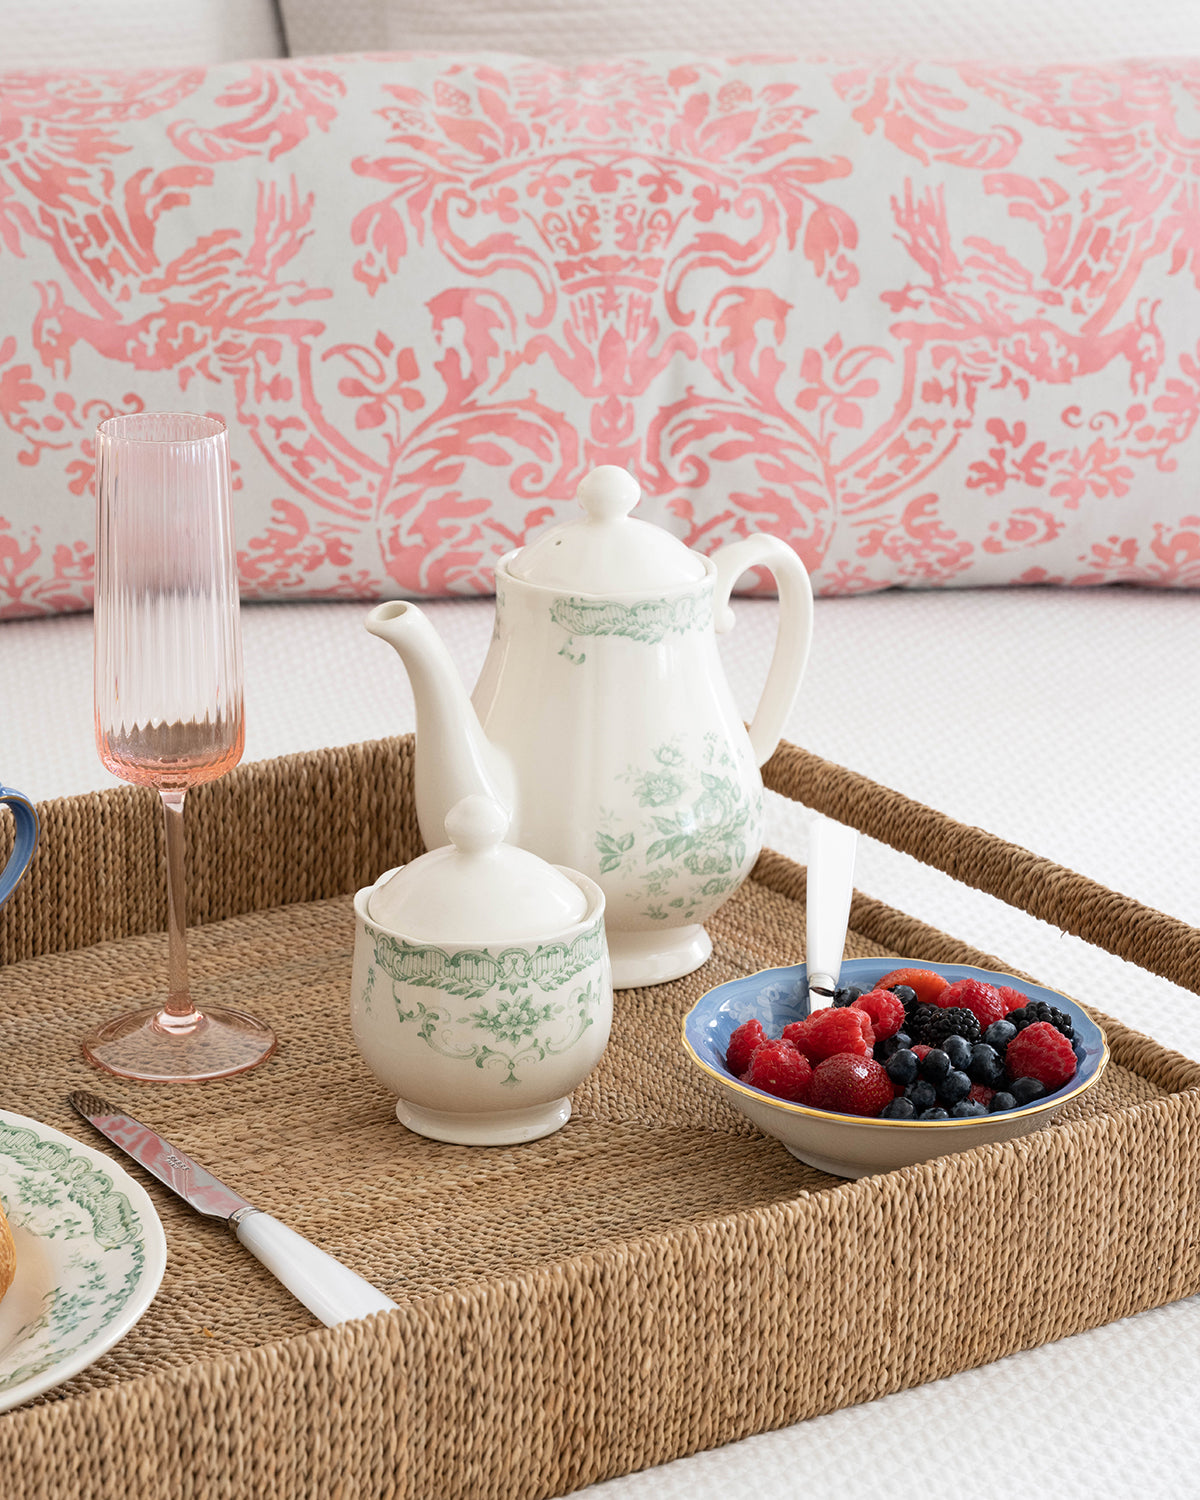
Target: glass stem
pixel 179 1000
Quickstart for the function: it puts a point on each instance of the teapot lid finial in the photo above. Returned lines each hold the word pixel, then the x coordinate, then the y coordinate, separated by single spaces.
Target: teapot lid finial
pixel 607 551
pixel 608 493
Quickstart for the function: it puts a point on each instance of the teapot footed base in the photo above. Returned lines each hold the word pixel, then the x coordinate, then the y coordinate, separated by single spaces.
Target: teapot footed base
pixel 644 958
pixel 502 1127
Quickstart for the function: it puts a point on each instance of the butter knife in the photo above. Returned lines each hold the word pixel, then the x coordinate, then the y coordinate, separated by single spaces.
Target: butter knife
pixel 330 1290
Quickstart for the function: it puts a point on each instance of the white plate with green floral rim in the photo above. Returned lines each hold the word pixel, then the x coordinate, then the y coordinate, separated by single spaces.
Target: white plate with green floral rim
pixel 90 1256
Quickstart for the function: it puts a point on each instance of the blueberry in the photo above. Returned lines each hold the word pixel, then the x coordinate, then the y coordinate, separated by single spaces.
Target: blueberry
pixel 968 1109
pixel 1080 1052
pixel 901 1067
pixel 891 1045
pixel 905 995
pixel 922 1095
pixel 986 1066
pixel 1026 1090
pixel 1001 1102
pixel 847 994
pixel 899 1109
pixel 958 1050
pixel 999 1034
pixel 954 1087
pixel 935 1065
pixel 933 1114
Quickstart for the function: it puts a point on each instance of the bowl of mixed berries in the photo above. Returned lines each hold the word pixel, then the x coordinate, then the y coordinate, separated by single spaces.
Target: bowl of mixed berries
pixel 911 1060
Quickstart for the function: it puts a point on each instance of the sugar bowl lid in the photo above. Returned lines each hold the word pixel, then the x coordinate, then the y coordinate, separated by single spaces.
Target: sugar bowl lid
pixel 477 889
pixel 605 551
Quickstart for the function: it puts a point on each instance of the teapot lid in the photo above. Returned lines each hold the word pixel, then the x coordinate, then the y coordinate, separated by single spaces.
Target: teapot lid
pixel 605 551
pixel 477 889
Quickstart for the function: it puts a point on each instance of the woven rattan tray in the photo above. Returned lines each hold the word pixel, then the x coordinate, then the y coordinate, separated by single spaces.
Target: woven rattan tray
pixel 654 1279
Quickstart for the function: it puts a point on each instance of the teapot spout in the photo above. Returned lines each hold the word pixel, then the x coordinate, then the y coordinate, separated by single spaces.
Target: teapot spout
pixel 454 758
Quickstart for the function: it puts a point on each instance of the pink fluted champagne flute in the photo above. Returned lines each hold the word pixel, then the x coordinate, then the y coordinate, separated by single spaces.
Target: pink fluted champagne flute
pixel 168 682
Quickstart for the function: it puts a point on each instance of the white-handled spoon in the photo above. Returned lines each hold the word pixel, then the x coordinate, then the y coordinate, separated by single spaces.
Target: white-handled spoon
pixel 831 848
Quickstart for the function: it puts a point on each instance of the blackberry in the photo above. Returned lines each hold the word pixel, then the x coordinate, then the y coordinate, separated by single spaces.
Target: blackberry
pixel 847 994
pixel 1038 1010
pixel 932 1024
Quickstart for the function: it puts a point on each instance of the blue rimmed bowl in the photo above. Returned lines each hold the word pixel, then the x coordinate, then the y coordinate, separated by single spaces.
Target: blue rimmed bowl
pixel 848 1145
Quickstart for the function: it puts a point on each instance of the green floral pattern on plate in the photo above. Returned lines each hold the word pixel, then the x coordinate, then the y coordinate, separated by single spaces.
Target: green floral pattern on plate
pixel 699 830
pixel 100 1258
pixel 646 620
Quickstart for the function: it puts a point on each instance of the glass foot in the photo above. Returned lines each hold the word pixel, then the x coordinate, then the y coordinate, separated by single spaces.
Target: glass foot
pixel 155 1047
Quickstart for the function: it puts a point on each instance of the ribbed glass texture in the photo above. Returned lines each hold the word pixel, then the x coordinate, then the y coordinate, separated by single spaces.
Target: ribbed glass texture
pixel 168 649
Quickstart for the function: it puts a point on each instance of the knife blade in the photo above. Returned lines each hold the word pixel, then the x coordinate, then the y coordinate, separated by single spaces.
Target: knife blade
pixel 330 1290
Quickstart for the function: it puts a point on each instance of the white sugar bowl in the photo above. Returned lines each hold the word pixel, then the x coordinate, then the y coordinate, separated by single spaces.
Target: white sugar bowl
pixel 482 989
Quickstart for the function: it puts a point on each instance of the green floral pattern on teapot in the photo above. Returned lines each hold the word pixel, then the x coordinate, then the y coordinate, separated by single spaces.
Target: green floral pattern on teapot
pixel 646 620
pixel 698 829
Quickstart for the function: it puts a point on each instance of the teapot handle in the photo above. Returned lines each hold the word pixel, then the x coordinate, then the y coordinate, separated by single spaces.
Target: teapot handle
pixel 794 635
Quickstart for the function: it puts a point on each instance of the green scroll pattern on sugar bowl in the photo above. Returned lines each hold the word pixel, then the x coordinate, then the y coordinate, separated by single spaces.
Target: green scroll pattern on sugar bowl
pixel 520 1030
pixel 646 620
pixel 472 972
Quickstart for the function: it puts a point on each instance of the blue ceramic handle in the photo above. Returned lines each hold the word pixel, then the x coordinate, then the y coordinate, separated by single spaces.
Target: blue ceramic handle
pixel 27 832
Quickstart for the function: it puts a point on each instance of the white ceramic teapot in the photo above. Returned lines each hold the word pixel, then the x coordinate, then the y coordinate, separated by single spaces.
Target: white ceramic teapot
pixel 603 722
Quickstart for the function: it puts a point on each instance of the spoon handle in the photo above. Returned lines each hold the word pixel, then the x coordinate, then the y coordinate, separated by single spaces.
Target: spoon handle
pixel 830 885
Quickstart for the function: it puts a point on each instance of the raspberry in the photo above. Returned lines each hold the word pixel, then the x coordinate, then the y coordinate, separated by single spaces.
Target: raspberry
pixel 1013 999
pixel 924 983
pixel 921 1050
pixel 1042 1052
pixel 777 1068
pixel 850 1085
pixel 976 995
pixel 885 1011
pixel 741 1046
pixel 827 1032
pixel 981 1094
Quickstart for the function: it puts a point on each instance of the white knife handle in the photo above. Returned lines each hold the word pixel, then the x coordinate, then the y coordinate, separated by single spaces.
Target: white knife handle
pixel 831 849
pixel 326 1287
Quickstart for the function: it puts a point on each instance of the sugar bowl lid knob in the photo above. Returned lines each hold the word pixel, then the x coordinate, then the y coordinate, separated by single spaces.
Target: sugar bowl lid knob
pixel 476 824
pixel 477 888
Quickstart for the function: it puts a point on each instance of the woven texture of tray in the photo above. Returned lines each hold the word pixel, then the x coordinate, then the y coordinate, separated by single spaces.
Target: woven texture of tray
pixel 654 1279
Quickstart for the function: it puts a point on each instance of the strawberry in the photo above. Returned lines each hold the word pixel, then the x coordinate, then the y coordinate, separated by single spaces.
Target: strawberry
pixel 924 983
pixel 827 1032
pixel 1042 1052
pixel 885 1011
pixel 777 1068
pixel 851 1085
pixel 976 995
pixel 742 1044
pixel 1013 999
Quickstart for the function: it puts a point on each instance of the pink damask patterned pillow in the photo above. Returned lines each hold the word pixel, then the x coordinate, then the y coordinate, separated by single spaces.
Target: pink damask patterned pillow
pixel 932 324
